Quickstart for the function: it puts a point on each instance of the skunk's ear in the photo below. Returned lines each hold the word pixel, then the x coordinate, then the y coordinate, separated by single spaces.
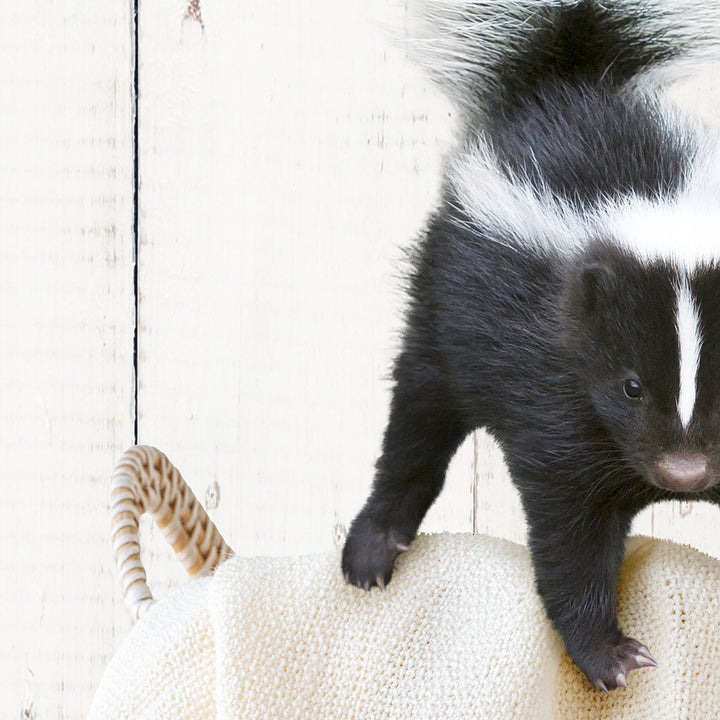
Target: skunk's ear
pixel 590 285
pixel 596 281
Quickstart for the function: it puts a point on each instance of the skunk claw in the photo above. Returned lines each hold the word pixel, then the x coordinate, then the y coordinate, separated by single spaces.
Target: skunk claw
pixel 370 551
pixel 644 652
pixel 619 659
pixel 645 661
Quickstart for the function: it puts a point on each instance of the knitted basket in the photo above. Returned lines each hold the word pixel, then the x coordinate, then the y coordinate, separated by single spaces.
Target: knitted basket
pixel 460 633
pixel 145 481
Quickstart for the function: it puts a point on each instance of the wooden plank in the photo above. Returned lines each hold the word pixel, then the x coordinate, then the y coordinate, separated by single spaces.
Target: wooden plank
pixel 284 165
pixel 66 323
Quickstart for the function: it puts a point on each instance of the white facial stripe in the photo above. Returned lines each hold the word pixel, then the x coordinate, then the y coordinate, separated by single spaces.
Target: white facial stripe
pixel 687 321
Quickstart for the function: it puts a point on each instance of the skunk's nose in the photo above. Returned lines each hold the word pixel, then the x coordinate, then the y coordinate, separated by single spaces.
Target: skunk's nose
pixel 682 472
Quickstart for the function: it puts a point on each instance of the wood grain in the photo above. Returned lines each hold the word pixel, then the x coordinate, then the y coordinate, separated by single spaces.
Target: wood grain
pixel 285 162
pixel 66 372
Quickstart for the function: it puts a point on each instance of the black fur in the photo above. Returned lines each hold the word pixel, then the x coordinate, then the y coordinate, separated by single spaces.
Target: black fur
pixel 536 346
pixel 585 142
pixel 594 42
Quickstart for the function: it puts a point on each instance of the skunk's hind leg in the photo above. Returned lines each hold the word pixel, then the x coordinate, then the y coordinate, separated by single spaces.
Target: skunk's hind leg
pixel 420 439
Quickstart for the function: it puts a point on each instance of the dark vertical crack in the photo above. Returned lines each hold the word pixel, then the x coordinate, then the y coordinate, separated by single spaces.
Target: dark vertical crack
pixel 136 214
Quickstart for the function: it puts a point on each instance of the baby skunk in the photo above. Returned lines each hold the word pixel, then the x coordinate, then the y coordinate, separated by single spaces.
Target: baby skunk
pixel 565 295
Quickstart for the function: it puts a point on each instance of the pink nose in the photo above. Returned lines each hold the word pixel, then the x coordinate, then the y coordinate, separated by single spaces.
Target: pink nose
pixel 682 472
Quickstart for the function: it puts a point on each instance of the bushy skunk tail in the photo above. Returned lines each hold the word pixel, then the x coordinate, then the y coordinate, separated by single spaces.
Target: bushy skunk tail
pixel 487 52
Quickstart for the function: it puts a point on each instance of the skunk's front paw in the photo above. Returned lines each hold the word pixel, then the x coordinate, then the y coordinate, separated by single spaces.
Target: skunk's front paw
pixel 370 552
pixel 608 669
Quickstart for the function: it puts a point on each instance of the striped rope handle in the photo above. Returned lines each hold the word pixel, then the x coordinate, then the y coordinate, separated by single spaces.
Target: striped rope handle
pixel 145 481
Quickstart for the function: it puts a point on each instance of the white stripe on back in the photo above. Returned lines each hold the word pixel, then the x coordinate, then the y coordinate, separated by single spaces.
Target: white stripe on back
pixel 681 229
pixel 687 321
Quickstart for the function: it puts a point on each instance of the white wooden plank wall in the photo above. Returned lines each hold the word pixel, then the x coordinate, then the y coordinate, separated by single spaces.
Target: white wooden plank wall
pixel 288 154
pixel 66 333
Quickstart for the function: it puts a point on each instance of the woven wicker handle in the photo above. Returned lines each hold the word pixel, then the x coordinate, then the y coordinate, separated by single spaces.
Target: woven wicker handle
pixel 145 481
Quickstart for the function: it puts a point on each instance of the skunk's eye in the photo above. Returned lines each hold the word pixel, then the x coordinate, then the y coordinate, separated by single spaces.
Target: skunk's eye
pixel 632 389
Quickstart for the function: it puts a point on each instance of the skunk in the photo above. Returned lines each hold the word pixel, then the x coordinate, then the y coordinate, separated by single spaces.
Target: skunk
pixel 565 294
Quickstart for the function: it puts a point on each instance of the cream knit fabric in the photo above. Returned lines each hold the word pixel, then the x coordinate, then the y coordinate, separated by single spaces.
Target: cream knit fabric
pixel 459 633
